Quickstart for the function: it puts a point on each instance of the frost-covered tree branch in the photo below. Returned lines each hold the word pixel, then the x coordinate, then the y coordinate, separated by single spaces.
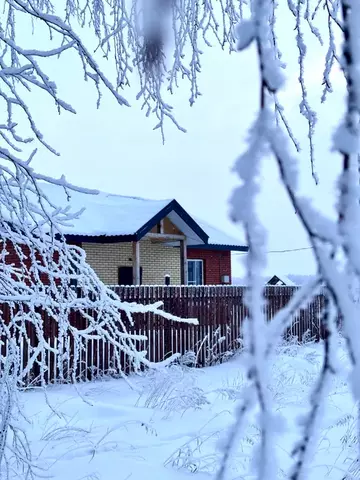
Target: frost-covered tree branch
pixel 329 239
pixel 36 296
pixel 30 224
pixel 160 44
pixel 305 448
pixel 132 34
pixel 248 166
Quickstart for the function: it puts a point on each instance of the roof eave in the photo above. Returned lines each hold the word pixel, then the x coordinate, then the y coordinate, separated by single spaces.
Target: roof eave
pixel 100 238
pixel 224 248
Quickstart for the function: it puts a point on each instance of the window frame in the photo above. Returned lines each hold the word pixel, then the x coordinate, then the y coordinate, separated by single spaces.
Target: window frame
pixel 198 260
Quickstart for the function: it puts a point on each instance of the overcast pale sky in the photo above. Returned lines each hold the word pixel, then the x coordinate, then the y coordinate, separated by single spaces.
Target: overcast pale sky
pixel 114 149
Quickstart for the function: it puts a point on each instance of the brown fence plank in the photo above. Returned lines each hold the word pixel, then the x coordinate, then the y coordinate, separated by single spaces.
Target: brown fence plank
pixel 218 308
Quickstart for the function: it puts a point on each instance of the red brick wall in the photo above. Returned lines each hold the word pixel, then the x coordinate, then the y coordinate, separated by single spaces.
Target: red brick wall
pixel 216 264
pixel 12 257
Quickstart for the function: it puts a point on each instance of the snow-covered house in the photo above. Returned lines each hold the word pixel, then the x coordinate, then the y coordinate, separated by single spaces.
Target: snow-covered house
pixel 130 240
pixel 280 280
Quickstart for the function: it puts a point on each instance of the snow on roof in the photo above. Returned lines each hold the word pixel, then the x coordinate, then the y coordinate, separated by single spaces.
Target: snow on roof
pixel 108 214
pixel 104 214
pixel 282 278
pixel 217 237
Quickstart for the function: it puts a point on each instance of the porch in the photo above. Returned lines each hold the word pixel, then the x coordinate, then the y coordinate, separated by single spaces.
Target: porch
pixel 166 236
pixel 158 258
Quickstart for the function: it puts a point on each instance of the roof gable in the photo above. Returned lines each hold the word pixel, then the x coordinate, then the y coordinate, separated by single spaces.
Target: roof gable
pixel 179 217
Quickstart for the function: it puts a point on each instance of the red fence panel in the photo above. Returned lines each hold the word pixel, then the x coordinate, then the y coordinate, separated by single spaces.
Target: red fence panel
pixel 220 311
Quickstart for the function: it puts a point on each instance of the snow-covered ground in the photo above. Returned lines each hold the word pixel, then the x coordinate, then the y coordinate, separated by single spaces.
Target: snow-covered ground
pixel 173 429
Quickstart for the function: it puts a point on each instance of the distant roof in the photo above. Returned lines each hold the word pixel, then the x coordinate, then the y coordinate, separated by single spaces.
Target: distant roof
pixel 290 279
pixel 110 216
pixel 280 280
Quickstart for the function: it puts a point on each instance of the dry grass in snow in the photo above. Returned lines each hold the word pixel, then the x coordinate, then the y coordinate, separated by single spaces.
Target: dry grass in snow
pixel 170 425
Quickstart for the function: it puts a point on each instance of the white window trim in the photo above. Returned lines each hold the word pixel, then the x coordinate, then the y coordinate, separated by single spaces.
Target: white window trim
pixel 202 270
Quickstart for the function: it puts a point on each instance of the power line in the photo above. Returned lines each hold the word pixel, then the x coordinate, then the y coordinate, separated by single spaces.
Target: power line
pixel 280 251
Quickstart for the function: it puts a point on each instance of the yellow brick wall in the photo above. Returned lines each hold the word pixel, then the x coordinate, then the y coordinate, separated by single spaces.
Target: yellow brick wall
pixel 156 260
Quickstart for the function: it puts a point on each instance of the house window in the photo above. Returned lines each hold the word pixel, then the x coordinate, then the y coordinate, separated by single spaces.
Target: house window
pixel 195 272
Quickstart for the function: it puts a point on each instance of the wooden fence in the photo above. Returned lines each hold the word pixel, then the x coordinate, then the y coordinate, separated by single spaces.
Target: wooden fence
pixel 220 311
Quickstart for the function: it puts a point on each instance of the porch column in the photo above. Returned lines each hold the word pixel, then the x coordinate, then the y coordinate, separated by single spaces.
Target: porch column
pixel 183 262
pixel 136 263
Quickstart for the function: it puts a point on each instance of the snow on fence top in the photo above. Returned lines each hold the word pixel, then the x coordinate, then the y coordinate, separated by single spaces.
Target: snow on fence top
pixel 144 291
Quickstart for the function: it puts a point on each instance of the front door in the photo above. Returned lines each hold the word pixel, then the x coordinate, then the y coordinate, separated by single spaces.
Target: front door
pixel 125 276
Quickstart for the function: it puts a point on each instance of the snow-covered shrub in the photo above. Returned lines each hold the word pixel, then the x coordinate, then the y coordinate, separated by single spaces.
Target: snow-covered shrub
pixel 172 389
pixel 201 453
pixel 191 458
pixel 15 452
pixel 188 359
pixel 350 444
pixel 212 350
pixel 291 345
pixel 231 390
